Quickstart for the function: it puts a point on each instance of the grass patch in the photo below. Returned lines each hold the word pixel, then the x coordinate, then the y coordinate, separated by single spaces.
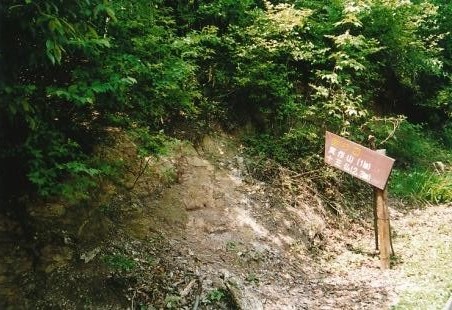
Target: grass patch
pixel 415 178
pixel 422 185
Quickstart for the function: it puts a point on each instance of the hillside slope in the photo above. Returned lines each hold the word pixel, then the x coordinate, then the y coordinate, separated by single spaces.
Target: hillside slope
pixel 197 231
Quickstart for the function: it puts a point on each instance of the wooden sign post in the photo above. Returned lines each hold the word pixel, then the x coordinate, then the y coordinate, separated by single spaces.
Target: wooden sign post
pixel 383 227
pixel 372 167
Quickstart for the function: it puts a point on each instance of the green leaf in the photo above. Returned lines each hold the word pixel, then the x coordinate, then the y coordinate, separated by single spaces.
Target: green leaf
pixel 129 80
pixel 111 13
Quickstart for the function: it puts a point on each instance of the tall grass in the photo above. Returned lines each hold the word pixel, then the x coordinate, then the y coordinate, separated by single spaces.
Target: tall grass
pixel 422 185
pixel 415 177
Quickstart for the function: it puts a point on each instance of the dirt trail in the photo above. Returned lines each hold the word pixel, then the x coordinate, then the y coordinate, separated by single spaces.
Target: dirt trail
pixel 215 238
pixel 237 230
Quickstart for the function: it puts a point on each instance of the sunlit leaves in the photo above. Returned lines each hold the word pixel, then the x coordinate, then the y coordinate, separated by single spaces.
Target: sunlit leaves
pixel 286 17
pixel 408 33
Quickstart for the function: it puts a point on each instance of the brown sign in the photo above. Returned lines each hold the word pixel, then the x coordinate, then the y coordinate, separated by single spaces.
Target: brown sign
pixel 357 160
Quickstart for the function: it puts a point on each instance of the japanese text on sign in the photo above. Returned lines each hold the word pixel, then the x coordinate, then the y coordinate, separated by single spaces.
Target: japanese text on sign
pixel 357 160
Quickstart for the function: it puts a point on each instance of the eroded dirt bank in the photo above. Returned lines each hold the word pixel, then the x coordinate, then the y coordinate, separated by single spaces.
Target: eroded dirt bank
pixel 198 232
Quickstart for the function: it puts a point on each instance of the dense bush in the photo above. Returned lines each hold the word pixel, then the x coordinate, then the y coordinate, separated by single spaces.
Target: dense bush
pixel 290 69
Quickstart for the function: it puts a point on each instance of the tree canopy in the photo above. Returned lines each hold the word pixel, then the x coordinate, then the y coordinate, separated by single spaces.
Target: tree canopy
pixel 71 69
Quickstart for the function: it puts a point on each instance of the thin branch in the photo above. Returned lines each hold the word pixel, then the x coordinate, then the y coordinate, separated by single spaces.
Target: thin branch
pixel 142 170
pixel 396 124
pixel 133 298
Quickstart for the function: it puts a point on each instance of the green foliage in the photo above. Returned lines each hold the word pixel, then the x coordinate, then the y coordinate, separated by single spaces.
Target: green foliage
pixel 148 53
pixel 291 69
pixel 119 262
pixel 51 158
pixel 45 107
pixel 224 13
pixel 446 135
pixel 287 149
pixel 442 100
pixel 147 142
pixel 416 151
pixel 412 145
pixel 80 67
pixel 411 64
pixel 405 30
pixel 422 185
pixel 214 296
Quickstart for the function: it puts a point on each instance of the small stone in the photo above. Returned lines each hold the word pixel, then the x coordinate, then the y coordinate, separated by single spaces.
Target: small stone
pixel 89 256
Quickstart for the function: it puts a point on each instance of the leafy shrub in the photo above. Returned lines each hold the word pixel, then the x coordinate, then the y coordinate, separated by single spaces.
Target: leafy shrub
pixel 148 142
pixel 294 69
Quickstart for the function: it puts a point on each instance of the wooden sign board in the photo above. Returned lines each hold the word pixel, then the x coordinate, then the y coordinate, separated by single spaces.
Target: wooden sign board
pixel 357 160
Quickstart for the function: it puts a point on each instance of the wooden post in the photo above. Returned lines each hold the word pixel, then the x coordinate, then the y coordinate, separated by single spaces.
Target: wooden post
pixel 372 145
pixel 376 194
pixel 384 233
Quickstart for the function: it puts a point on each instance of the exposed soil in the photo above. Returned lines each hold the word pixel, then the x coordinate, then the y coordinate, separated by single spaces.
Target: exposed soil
pixel 197 231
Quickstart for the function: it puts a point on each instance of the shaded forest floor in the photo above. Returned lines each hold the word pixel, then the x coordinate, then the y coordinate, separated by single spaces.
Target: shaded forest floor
pixel 197 231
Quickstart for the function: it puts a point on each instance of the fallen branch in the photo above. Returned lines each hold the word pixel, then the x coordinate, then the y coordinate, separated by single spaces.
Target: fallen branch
pixel 188 288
